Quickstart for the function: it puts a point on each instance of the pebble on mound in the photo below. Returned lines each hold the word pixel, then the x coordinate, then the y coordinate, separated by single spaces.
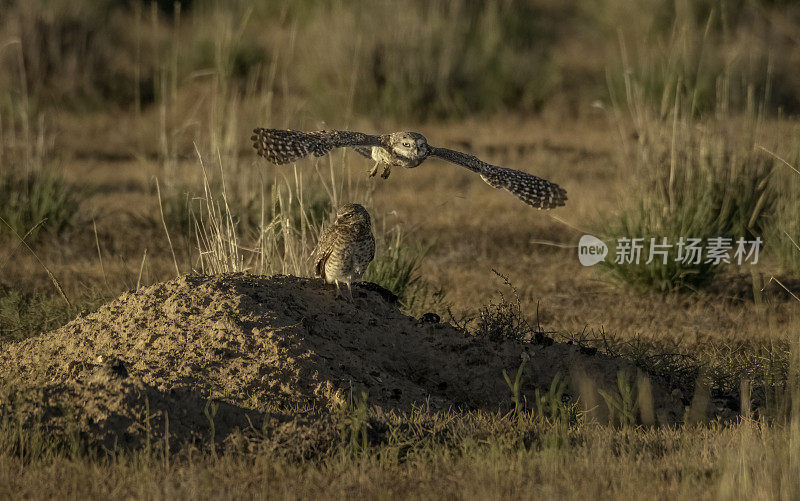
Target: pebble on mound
pixel 243 350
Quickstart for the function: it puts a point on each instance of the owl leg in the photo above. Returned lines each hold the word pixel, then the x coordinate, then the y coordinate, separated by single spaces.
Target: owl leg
pixel 387 169
pixel 374 170
pixel 340 293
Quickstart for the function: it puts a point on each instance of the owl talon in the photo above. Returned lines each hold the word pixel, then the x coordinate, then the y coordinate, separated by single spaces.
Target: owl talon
pixel 340 292
pixel 374 171
pixel 386 171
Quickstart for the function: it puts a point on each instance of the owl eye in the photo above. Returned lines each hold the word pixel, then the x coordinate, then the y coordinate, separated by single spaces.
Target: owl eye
pixel 406 144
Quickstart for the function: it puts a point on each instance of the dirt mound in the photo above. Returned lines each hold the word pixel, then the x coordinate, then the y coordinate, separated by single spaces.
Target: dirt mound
pixel 243 350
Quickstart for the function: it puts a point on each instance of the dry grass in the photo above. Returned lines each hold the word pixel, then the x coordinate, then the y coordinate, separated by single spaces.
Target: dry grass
pixel 168 95
pixel 784 232
pixel 463 454
pixel 696 157
pixel 683 461
pixel 691 178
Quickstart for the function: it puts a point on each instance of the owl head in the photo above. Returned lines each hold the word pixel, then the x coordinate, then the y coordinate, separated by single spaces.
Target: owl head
pixel 409 145
pixel 352 213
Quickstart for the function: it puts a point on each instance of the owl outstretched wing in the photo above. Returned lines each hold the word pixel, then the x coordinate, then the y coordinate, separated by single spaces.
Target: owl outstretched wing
pixel 532 190
pixel 281 146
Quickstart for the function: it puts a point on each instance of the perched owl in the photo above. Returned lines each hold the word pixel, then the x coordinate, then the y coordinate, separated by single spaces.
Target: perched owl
pixel 403 149
pixel 345 248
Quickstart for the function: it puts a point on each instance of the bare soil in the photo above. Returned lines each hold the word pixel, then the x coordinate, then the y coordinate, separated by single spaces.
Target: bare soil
pixel 250 353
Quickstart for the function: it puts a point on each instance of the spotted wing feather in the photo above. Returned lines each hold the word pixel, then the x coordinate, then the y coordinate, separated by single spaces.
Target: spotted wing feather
pixel 282 146
pixel 323 250
pixel 370 250
pixel 532 190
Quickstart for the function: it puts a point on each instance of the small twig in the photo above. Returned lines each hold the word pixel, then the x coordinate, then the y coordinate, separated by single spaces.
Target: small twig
pixel 784 287
pixel 164 222
pixel 779 158
pixel 100 255
pixel 566 223
pixel 141 269
pixel 23 239
pixel 792 240
pixel 538 324
pixel 53 278
pixel 605 342
pixel 553 244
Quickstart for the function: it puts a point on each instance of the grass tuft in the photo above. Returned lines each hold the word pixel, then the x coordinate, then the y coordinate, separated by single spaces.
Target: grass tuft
pixel 27 314
pixel 783 235
pixel 691 178
pixel 504 320
pixel 39 202
pixel 396 267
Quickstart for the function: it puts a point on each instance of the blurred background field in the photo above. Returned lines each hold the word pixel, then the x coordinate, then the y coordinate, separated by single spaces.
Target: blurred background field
pixel 125 160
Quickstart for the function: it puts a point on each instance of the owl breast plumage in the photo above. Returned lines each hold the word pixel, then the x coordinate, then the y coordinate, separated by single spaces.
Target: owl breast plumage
pixel 346 248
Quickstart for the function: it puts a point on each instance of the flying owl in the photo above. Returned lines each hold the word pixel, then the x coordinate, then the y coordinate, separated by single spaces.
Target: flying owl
pixel 402 149
pixel 345 248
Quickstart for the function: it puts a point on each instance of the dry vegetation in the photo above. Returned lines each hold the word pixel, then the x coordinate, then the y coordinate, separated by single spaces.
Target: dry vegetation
pixel 124 162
